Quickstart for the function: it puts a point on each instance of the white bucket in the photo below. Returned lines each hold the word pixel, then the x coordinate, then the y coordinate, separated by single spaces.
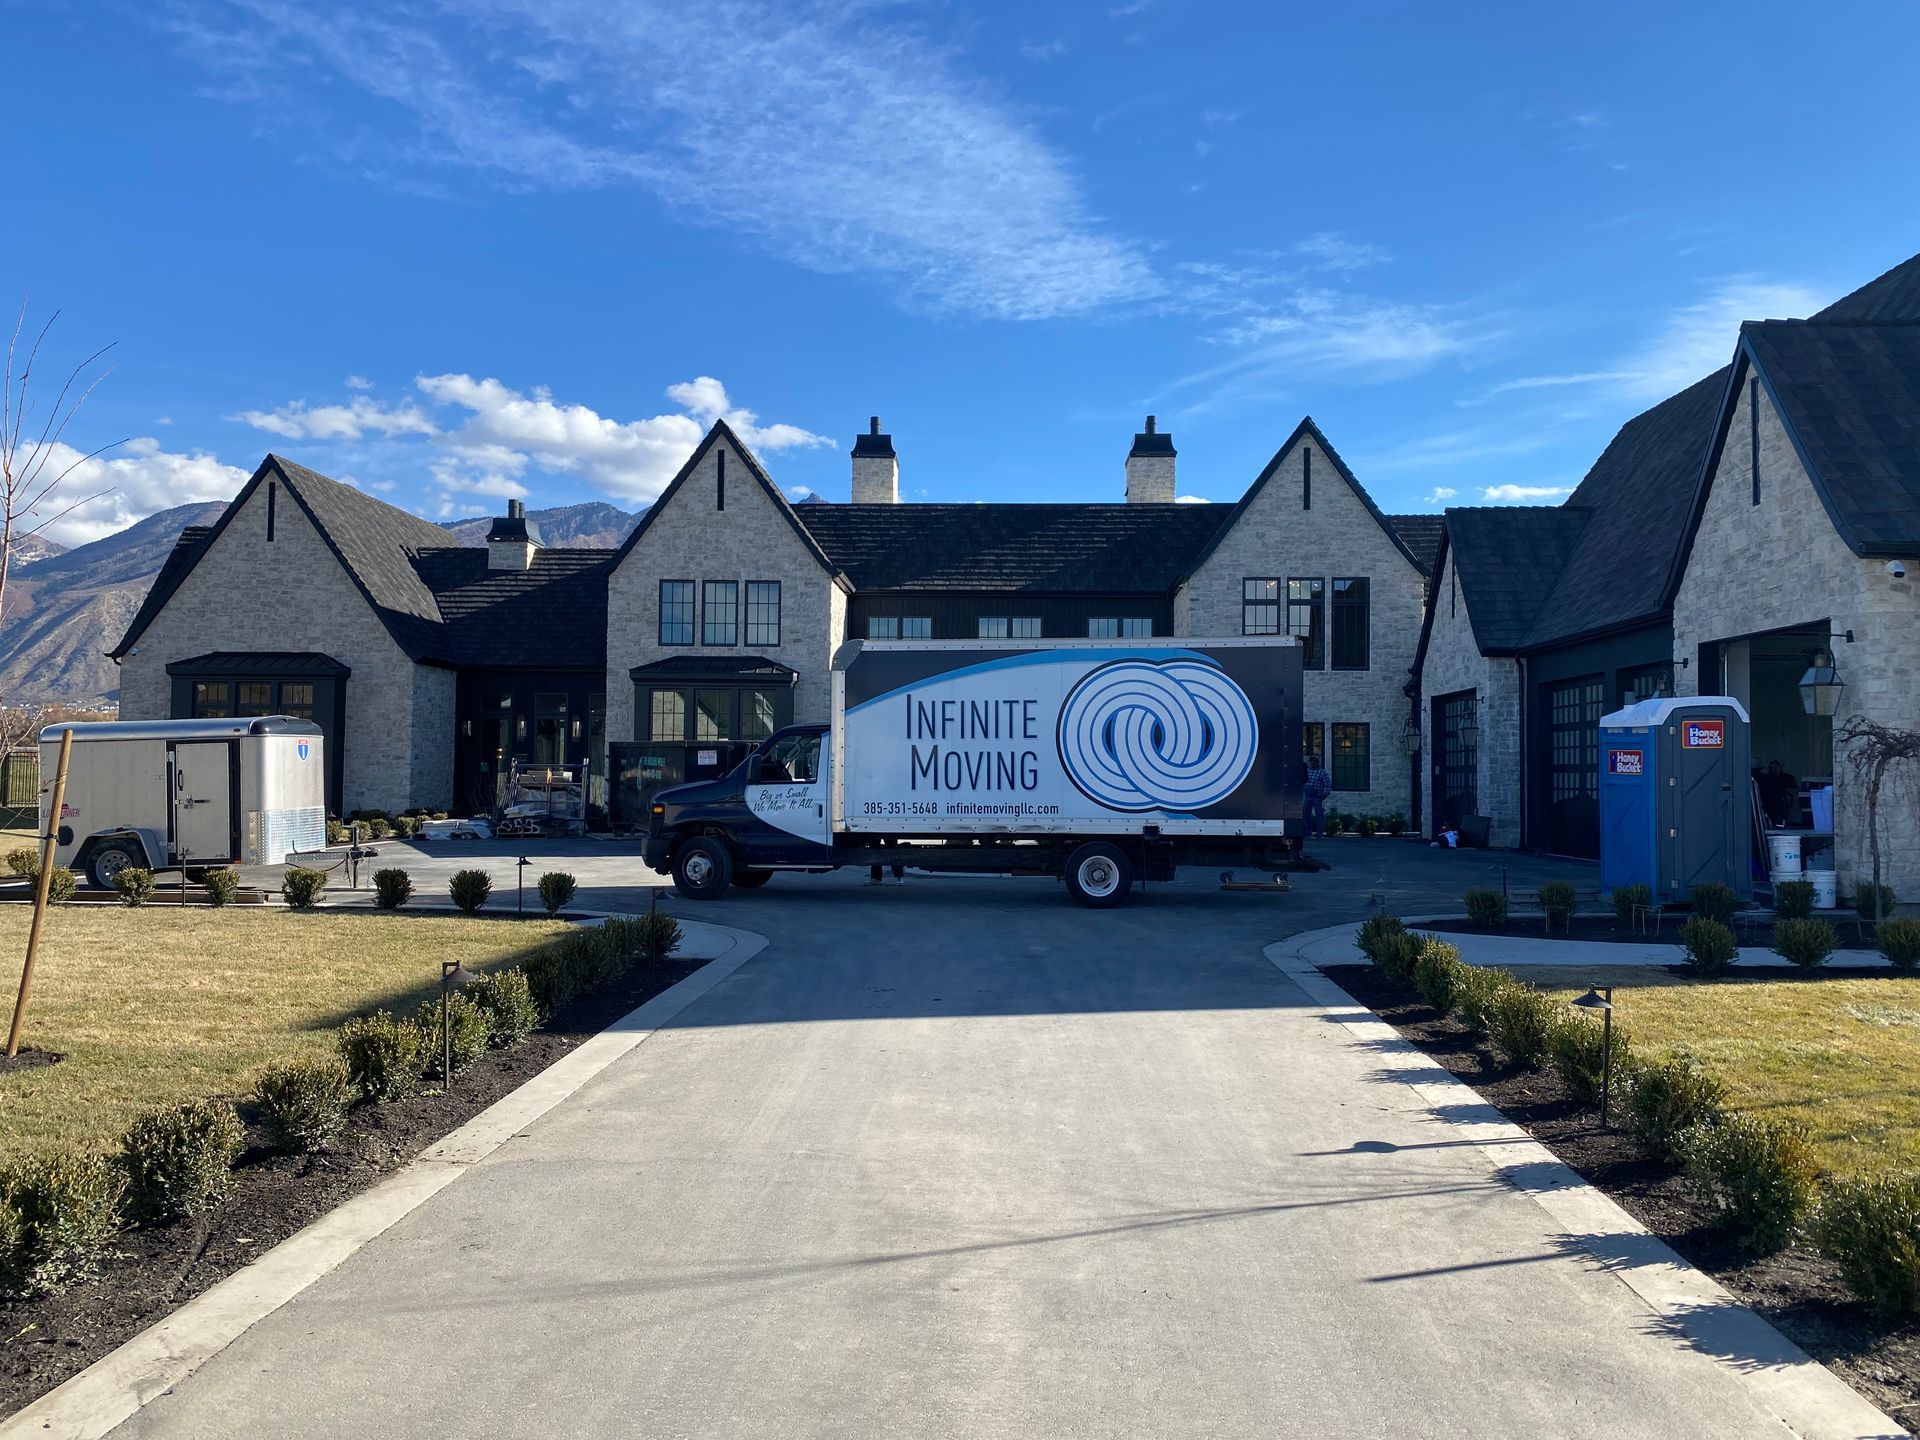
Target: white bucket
pixel 1826 889
pixel 1786 855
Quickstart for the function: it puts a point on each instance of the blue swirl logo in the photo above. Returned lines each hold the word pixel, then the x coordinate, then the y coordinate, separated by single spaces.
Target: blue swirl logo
pixel 1140 736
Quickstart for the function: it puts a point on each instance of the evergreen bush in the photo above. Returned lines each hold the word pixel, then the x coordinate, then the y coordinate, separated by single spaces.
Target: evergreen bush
pixel 1557 899
pixel 1807 943
pixel 1793 899
pixel 1873 902
pixel 1398 954
pixel 1374 929
pixel 1667 1099
pixel 466 1030
pixel 1436 973
pixel 1870 1227
pixel 656 935
pixel 506 999
pixel 1475 992
pixel 1577 1049
pixel 1760 1174
pixel 1521 1023
pixel 1486 907
pixel 62 884
pixel 1714 901
pixel 59 1214
pixel 301 887
pixel 221 885
pixel 179 1161
pixel 23 862
pixel 134 885
pixel 304 1102
pixel 392 888
pixel 1900 943
pixel 384 1055
pixel 556 891
pixel 1629 898
pixel 470 889
pixel 1709 945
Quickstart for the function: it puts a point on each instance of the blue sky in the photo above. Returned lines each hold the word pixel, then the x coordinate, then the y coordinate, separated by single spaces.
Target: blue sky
pixel 460 250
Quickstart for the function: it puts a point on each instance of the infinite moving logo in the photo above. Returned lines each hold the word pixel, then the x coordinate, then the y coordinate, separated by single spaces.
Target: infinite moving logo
pixel 1140 736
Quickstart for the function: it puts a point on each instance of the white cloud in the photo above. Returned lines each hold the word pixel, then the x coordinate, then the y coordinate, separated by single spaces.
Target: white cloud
pixel 1044 50
pixel 1332 250
pixel 1457 447
pixel 1525 494
pixel 138 478
pixel 361 416
pixel 1440 494
pixel 798 492
pixel 358 382
pixel 1129 7
pixel 1191 500
pixel 819 129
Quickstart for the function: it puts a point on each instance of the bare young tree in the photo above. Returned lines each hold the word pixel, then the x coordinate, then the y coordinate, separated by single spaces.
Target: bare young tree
pixel 1878 754
pixel 35 463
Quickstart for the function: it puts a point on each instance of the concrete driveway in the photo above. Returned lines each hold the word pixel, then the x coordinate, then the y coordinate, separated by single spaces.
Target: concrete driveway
pixel 956 1158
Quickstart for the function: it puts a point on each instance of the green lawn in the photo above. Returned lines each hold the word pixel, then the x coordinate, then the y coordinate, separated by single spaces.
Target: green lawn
pixel 1840 1055
pixel 154 1006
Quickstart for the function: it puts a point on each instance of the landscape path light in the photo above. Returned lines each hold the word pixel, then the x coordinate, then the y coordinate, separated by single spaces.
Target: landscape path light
pixel 1600 997
pixel 520 887
pixel 452 974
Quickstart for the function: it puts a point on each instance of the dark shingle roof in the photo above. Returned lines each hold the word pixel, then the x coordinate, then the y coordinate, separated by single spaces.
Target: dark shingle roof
pixel 1638 494
pixel 550 616
pixel 259 662
pixel 1508 559
pixel 1893 296
pixel 1421 535
pixel 1098 549
pixel 1850 396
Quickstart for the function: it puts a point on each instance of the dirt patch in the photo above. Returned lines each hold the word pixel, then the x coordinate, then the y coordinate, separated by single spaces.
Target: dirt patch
pixel 1798 1291
pixel 1605 930
pixel 158 1269
pixel 29 1059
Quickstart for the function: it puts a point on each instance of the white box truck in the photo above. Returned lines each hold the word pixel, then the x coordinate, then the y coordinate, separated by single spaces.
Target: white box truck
pixel 179 794
pixel 1101 762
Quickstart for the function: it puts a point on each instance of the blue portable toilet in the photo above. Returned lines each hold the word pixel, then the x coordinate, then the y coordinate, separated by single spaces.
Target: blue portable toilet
pixel 1676 796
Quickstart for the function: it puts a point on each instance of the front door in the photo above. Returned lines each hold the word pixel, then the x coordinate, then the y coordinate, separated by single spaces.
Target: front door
pixel 203 803
pixel 1454 759
pixel 787 790
pixel 1573 734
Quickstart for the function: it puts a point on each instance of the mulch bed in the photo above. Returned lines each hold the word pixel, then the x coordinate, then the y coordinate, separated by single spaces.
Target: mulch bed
pixel 159 1269
pixel 1604 929
pixel 1800 1293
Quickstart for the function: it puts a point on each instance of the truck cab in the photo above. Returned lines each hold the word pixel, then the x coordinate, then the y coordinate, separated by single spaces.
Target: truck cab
pixel 770 812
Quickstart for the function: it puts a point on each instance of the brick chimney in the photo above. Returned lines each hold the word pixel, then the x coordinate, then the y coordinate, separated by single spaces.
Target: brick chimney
pixel 1150 467
pixel 876 472
pixel 512 541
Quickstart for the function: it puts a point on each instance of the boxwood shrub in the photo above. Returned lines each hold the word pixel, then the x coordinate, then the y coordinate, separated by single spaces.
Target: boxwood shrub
pixel 392 888
pixel 1807 943
pixel 1793 899
pixel 1629 898
pixel 62 884
pixel 59 1214
pixel 1709 945
pixel 1557 899
pixel 303 1102
pixel 655 934
pixel 1870 1227
pixel 1374 929
pixel 556 891
pixel 1475 992
pixel 384 1055
pixel 470 889
pixel 23 861
pixel 1760 1174
pixel 1872 901
pixel 1900 943
pixel 221 885
pixel 1577 1049
pixel 1667 1099
pixel 301 887
pixel 1486 907
pixel 1714 901
pixel 1521 1023
pixel 1436 972
pixel 465 1028
pixel 506 999
pixel 134 885
pixel 179 1161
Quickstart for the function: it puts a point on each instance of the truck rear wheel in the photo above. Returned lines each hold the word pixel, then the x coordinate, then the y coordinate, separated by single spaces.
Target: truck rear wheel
pixel 109 860
pixel 1099 875
pixel 703 868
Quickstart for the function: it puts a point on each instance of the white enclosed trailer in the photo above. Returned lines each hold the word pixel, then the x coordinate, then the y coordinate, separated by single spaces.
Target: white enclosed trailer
pixel 178 794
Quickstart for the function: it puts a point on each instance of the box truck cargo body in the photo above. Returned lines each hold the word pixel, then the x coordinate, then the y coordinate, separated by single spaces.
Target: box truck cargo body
pixel 173 794
pixel 1103 762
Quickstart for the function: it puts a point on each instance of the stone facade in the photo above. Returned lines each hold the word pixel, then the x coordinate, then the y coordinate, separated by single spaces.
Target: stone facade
pixel 1454 663
pixel 691 538
pixel 1781 564
pixel 1278 536
pixel 290 593
pixel 1150 479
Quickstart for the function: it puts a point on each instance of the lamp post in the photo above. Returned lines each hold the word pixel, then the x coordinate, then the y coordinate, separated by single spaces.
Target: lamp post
pixel 452 973
pixel 1821 685
pixel 520 887
pixel 1600 997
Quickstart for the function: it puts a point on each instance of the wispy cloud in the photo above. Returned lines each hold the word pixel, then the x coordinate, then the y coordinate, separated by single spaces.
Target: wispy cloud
pixel 1044 50
pixel 1457 447
pixel 1440 494
pixel 1524 494
pixel 358 382
pixel 360 416
pixel 1129 8
pixel 817 129
pixel 1332 250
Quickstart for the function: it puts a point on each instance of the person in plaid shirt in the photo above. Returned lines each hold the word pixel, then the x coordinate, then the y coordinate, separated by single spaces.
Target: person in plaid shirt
pixel 1319 786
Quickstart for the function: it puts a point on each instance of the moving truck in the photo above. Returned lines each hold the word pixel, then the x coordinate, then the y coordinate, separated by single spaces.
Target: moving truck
pixel 1100 762
pixel 174 794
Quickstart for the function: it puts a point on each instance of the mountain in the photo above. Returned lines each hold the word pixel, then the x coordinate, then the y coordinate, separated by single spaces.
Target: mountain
pixel 29 548
pixel 594 525
pixel 67 608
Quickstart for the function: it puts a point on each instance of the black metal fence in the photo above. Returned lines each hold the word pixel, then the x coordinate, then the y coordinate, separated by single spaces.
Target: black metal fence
pixel 20 788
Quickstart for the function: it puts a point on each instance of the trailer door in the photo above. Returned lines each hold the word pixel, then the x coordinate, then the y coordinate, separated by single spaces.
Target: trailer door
pixel 204 830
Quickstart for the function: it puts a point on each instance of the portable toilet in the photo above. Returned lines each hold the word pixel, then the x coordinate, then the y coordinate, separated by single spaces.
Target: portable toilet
pixel 1676 796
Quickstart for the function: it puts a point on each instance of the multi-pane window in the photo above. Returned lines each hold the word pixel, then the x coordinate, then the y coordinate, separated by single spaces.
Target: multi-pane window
pixel 1306 619
pixel 212 699
pixel 1129 627
pixel 720 613
pixel 1025 627
pixel 883 627
pixel 1351 625
pixel 1574 710
pixel 255 697
pixel 712 714
pixel 916 627
pixel 1259 607
pixel 1646 683
pixel 668 719
pixel 763 612
pixel 296 699
pixel 993 627
pixel 676 612
pixel 756 715
pixel 1351 768
pixel 1313 743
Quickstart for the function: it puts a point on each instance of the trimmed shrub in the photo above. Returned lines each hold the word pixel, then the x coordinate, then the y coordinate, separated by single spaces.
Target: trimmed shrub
pixel 134 884
pixel 392 888
pixel 1627 899
pixel 1398 954
pixel 1486 907
pixel 23 861
pixel 1369 825
pixel 1436 973
pixel 303 1102
pixel 1760 1174
pixel 62 884
pixel 1521 1022
pixel 1331 820
pixel 1807 943
pixel 221 885
pixel 1709 945
pixel 301 887
pixel 1396 824
pixel 655 935
pixel 1475 992
pixel 1900 943
pixel 1867 895
pixel 470 889
pixel 1557 899
pixel 562 970
pixel 1374 929
pixel 1577 1050
pixel 506 999
pixel 179 1161
pixel 1668 1098
pixel 1793 899
pixel 336 832
pixel 1870 1228
pixel 466 1029
pixel 1716 902
pixel 58 1216
pixel 384 1055
pixel 556 891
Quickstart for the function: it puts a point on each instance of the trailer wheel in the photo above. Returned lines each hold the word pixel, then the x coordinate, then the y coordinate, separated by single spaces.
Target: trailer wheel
pixel 109 860
pixel 751 879
pixel 703 868
pixel 1099 875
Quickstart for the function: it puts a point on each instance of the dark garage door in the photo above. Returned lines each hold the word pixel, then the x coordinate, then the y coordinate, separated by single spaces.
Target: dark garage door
pixel 1573 813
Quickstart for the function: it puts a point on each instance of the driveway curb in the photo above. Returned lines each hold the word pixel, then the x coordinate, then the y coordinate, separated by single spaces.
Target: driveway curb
pixel 1809 1399
pixel 111 1389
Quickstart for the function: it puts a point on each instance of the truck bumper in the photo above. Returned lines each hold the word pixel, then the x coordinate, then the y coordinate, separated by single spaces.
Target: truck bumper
pixel 656 851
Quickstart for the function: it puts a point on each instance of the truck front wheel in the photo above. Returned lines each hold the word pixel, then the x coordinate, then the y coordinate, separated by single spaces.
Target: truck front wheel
pixel 703 868
pixel 1099 875
pixel 109 860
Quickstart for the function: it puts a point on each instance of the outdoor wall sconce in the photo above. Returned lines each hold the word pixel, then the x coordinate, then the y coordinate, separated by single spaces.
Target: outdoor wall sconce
pixel 1820 687
pixel 576 727
pixel 520 727
pixel 1410 738
pixel 1469 731
pixel 1601 999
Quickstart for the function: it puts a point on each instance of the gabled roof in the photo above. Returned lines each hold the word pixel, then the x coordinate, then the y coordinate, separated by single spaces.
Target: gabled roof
pixel 1893 296
pixel 1306 427
pixel 550 616
pixel 1507 560
pixel 1420 534
pixel 1093 549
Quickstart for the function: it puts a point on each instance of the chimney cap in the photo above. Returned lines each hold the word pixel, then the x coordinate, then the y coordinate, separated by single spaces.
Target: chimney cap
pixel 875 442
pixel 1152 440
pixel 514 525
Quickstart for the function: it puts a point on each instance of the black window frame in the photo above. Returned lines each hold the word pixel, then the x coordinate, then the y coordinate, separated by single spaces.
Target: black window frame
pixel 756 629
pixel 731 609
pixel 1250 602
pixel 1312 602
pixel 1313 742
pixel 654 694
pixel 1336 769
pixel 883 627
pixel 1339 609
pixel 693 612
pixel 202 689
pixel 1026 627
pixel 993 627
pixel 916 627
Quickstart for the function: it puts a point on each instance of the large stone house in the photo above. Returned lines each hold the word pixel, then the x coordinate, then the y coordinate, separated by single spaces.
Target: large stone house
pixel 1729 537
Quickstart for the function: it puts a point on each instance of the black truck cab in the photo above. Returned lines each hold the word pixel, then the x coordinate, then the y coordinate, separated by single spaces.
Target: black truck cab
pixel 770 812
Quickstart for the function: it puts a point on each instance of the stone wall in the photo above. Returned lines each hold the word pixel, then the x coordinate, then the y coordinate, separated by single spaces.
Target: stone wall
pixel 1454 663
pixel 290 593
pixel 1781 564
pixel 693 539
pixel 1338 537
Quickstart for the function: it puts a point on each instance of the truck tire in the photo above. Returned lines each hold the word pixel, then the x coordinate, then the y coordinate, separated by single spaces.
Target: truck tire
pixel 109 860
pixel 1099 875
pixel 703 868
pixel 751 879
